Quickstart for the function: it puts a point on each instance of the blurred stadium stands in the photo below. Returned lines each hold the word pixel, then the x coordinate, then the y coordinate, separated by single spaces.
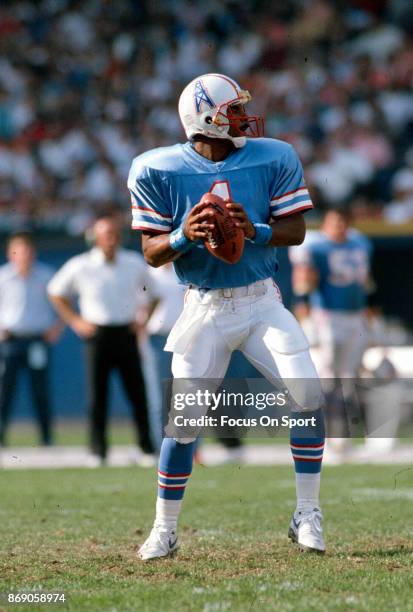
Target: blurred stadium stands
pixel 87 85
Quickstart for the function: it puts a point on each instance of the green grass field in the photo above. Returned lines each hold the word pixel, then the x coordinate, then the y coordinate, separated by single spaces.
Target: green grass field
pixel 77 531
pixel 68 433
pixel 75 433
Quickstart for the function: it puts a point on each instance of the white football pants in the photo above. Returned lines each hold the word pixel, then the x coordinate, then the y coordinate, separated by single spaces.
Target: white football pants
pixel 253 320
pixel 342 340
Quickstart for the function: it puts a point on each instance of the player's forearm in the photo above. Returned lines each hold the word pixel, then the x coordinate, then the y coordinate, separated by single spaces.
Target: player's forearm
pixel 151 309
pixel 289 231
pixel 64 308
pixel 157 250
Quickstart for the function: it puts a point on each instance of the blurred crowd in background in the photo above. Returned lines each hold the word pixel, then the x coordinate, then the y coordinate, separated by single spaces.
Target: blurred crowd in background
pixel 87 85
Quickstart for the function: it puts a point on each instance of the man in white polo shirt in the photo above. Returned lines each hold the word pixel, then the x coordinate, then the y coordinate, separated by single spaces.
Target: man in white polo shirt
pixel 110 283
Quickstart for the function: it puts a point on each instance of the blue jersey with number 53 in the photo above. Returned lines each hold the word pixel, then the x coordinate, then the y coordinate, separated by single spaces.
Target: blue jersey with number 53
pixel 343 269
pixel 265 176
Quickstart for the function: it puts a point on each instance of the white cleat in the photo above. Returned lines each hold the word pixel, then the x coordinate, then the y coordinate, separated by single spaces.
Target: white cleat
pixel 141 459
pixel 306 531
pixel 95 461
pixel 234 455
pixel 162 542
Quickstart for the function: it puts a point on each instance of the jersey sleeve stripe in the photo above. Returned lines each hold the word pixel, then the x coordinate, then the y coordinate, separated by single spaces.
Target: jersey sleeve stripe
pixel 145 217
pixel 300 193
pixel 300 199
pixel 137 205
pixel 300 207
pixel 139 224
pixel 289 195
pixel 148 212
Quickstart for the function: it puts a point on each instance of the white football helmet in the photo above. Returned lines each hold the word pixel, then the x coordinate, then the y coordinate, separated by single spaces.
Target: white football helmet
pixel 205 108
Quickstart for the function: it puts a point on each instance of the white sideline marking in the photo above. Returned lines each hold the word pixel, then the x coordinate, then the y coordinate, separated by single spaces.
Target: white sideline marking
pixel 211 454
pixel 382 494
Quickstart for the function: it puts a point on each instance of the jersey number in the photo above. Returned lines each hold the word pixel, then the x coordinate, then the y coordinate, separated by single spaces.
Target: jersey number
pixel 222 189
pixel 347 267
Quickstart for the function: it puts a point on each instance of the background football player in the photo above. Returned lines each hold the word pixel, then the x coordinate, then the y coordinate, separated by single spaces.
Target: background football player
pixel 228 307
pixel 331 277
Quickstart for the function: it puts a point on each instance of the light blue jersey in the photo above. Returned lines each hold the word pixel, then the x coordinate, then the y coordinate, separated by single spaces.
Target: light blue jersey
pixel 265 176
pixel 343 269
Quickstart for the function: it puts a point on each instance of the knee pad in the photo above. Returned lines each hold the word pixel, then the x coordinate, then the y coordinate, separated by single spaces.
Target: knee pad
pixel 301 379
pixel 306 393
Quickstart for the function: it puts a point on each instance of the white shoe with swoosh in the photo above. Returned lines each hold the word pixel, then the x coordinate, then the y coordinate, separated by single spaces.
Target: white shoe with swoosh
pixel 162 542
pixel 306 531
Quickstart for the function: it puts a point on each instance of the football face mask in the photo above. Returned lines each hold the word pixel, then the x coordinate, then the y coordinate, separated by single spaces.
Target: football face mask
pixel 233 115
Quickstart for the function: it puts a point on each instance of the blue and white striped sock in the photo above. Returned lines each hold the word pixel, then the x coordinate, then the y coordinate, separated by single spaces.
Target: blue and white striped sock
pixel 307 453
pixel 175 467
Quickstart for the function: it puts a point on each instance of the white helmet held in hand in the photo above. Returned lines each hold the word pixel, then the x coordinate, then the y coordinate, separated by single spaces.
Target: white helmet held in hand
pixel 205 108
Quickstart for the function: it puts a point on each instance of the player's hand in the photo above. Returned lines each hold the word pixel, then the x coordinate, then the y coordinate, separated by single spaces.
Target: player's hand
pixel 138 328
pixel 241 218
pixel 302 311
pixel 84 329
pixel 53 333
pixel 197 223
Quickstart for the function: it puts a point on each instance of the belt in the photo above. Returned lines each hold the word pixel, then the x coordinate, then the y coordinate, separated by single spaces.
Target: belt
pixel 258 288
pixel 116 327
pixel 12 336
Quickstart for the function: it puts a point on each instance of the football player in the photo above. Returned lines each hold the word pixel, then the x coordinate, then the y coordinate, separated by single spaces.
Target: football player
pixel 227 306
pixel 331 278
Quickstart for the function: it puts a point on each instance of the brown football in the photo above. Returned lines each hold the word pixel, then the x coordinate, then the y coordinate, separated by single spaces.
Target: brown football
pixel 226 240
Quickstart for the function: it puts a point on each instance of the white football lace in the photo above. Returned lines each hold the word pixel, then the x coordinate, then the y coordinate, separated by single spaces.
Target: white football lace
pixel 211 241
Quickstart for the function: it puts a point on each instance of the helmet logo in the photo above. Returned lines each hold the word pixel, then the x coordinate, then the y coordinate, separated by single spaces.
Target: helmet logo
pixel 201 95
